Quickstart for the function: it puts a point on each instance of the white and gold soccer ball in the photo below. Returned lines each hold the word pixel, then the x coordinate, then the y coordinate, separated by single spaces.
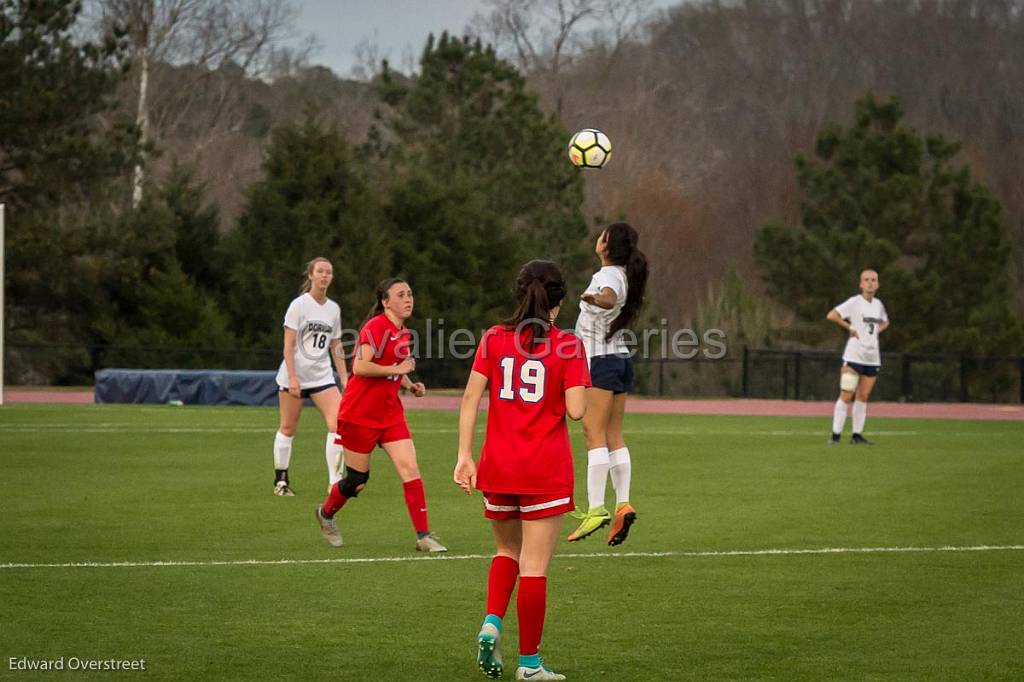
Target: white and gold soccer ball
pixel 590 148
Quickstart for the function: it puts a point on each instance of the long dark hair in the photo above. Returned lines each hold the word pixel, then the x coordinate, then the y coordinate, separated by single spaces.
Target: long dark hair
pixel 540 288
pixel 621 239
pixel 382 295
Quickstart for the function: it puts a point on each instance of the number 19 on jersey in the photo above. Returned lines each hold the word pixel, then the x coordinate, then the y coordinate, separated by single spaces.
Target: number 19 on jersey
pixel 531 380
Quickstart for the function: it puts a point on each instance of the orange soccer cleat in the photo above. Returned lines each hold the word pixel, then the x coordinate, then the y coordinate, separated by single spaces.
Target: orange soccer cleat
pixel 625 515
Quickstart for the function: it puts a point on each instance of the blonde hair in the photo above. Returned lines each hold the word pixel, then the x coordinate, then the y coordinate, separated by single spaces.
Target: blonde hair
pixel 306 284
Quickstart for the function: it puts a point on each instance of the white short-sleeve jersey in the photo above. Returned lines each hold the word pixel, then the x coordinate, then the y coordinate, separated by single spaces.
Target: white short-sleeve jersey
pixel 594 322
pixel 864 316
pixel 315 326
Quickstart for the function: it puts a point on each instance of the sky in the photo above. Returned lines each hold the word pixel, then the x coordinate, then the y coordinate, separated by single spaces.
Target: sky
pixel 399 28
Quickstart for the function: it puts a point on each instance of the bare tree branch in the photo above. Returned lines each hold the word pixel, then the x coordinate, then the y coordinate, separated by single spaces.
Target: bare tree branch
pixel 191 57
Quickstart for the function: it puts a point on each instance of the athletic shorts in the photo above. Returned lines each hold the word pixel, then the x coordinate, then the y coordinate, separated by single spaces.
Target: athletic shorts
pixel 863 370
pixel 306 392
pixel 359 438
pixel 612 372
pixel 501 506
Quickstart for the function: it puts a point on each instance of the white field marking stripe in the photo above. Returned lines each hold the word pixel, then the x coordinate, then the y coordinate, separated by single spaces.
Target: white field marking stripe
pixel 135 428
pixel 465 557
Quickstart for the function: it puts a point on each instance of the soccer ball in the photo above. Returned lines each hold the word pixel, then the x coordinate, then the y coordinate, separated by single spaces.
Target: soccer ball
pixel 590 148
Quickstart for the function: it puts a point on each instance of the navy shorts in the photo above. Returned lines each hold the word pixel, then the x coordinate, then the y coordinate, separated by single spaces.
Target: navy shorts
pixel 863 370
pixel 306 392
pixel 612 372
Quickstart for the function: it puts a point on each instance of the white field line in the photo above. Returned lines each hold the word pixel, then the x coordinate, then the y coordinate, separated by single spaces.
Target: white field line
pixel 467 557
pixel 136 428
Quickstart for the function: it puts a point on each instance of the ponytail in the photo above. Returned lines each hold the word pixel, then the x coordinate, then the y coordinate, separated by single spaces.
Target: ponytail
pixel 622 250
pixel 540 288
pixel 381 294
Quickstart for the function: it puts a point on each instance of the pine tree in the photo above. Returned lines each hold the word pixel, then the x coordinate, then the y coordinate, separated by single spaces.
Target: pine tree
pixel 63 146
pixel 498 167
pixel 52 146
pixel 314 201
pixel 879 195
pixel 156 282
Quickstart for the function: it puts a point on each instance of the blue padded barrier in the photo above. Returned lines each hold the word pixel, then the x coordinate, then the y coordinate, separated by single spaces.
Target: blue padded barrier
pixel 189 386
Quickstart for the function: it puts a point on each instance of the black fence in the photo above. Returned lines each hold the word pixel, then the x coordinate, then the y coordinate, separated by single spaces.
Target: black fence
pixel 749 373
pixel 814 375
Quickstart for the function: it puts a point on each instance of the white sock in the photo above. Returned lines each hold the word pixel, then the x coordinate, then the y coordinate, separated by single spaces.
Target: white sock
pixel 839 416
pixel 621 471
pixel 282 450
pixel 335 456
pixel 597 476
pixel 860 415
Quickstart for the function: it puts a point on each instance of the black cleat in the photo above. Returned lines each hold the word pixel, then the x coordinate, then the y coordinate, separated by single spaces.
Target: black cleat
pixel 833 439
pixel 858 439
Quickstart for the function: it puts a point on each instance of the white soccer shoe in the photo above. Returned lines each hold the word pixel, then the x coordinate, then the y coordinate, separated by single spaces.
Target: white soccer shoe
pixel 328 528
pixel 541 673
pixel 281 489
pixel 429 543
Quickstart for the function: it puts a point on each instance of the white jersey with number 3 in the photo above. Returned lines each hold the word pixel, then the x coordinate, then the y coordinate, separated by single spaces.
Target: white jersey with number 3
pixel 315 326
pixel 865 316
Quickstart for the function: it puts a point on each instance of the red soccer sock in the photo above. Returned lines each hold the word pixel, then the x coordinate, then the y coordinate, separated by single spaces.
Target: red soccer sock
pixel 416 503
pixel 501 580
pixel 531 604
pixel 335 501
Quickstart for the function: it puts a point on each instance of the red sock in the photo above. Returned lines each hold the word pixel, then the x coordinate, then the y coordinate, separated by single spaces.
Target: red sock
pixel 416 503
pixel 501 580
pixel 335 501
pixel 531 603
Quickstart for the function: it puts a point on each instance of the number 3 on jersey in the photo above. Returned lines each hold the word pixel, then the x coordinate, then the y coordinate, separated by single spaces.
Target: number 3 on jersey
pixel 531 379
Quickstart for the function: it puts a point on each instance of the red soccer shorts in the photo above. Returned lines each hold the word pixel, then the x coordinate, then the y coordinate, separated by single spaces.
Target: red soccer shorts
pixel 500 506
pixel 359 438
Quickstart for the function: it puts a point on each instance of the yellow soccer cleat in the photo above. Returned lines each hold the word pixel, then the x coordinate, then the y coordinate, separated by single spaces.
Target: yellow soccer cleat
pixel 591 522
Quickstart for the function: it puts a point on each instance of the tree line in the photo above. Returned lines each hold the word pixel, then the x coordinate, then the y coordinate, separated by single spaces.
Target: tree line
pixel 714 100
pixel 453 175
pixel 432 194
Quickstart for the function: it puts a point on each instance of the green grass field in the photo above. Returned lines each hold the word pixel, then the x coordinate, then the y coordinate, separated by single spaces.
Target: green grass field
pixel 143 484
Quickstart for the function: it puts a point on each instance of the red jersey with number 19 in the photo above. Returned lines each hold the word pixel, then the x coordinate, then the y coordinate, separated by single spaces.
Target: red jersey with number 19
pixel 526 450
pixel 374 401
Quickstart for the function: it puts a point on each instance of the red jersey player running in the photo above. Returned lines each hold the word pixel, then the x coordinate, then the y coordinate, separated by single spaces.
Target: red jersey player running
pixel 371 414
pixel 535 374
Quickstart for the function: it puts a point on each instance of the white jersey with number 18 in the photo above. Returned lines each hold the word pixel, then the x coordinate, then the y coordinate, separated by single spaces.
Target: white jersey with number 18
pixel 315 326
pixel 865 316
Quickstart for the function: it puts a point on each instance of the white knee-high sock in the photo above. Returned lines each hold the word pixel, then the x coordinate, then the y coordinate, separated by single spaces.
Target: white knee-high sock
pixel 597 476
pixel 282 450
pixel 860 415
pixel 621 470
pixel 839 416
pixel 335 456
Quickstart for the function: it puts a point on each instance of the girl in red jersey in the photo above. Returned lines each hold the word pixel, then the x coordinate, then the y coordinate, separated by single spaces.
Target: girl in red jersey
pixel 371 414
pixel 535 374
